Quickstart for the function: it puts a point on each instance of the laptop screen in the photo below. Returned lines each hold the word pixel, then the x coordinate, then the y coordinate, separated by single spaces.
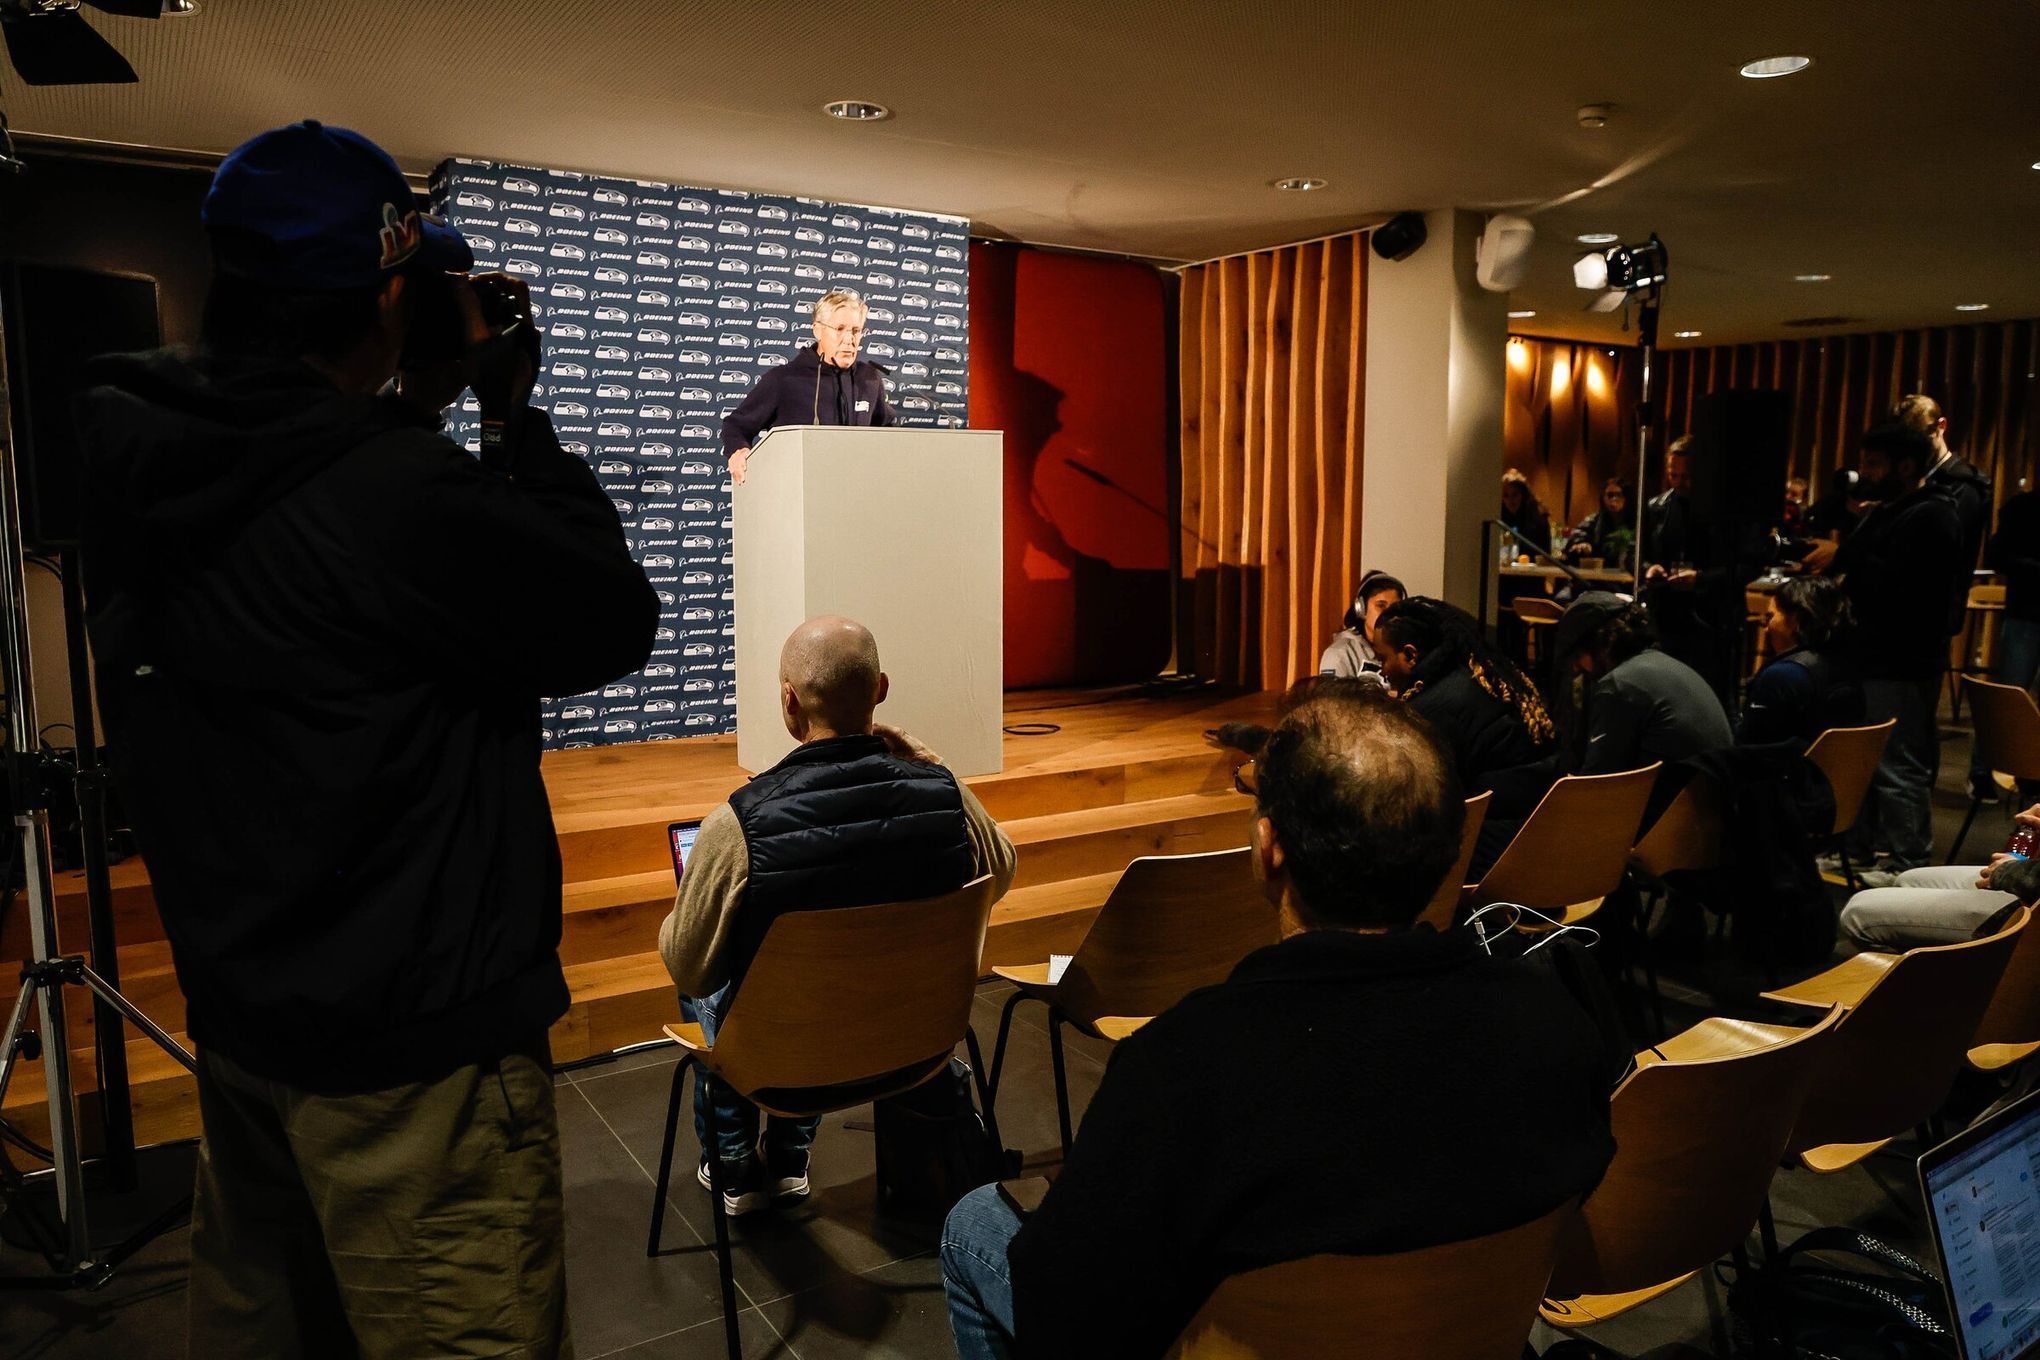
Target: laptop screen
pixel 1982 1191
pixel 681 835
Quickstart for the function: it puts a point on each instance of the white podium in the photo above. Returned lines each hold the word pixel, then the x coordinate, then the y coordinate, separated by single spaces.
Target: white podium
pixel 899 529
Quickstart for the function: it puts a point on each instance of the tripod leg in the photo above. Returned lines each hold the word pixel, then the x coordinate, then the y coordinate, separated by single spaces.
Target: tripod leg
pixel 14 1024
pixel 106 992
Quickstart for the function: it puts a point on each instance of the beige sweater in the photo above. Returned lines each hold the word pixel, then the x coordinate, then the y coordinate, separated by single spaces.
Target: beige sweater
pixel 694 940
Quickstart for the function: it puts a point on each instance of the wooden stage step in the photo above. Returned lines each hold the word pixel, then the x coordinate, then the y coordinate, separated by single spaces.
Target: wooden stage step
pixel 1126 777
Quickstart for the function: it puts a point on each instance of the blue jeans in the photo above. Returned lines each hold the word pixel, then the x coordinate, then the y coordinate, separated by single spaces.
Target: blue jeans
pixel 1900 805
pixel 2018 662
pixel 975 1275
pixel 736 1119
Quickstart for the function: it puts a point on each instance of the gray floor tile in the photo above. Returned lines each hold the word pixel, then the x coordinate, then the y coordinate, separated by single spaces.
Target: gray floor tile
pixel 896 1310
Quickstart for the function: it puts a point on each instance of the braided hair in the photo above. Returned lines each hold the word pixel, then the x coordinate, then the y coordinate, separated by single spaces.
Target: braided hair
pixel 1447 638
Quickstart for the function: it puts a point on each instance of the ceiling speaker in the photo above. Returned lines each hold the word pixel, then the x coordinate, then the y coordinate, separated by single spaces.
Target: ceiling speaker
pixel 1502 257
pixel 1400 236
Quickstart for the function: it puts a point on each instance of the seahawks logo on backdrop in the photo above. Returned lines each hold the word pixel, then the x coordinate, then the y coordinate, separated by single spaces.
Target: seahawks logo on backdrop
pixel 401 235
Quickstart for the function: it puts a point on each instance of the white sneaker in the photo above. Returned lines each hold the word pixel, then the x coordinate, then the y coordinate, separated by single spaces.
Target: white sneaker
pixel 1878 878
pixel 746 1196
pixel 785 1179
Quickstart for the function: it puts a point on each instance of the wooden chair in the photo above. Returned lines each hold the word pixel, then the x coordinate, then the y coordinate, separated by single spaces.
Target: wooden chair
pixel 2010 1029
pixel 2007 733
pixel 1445 902
pixel 1896 1051
pixel 1172 924
pixel 1848 756
pixel 1571 852
pixel 1697 1140
pixel 838 1008
pixel 1471 1300
pixel 1537 612
pixel 1690 835
pixel 1973 650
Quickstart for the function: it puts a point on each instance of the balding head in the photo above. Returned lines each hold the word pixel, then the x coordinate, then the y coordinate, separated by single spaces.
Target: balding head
pixel 829 680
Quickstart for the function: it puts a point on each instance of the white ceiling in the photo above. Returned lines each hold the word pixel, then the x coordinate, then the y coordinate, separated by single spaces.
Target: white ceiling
pixel 1899 163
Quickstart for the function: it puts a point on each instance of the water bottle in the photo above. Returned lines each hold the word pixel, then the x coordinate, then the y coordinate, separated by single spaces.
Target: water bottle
pixel 2024 838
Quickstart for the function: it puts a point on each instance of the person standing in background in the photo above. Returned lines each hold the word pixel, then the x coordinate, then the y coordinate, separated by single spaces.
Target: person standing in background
pixel 825 384
pixel 2014 554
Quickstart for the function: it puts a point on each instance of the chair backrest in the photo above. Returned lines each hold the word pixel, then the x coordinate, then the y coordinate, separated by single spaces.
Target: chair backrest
pixel 1173 923
pixel 1848 756
pixel 1445 902
pixel 1575 845
pixel 1696 1144
pixel 1471 1300
pixel 2007 727
pixel 1986 597
pixel 1537 609
pixel 1691 833
pixel 848 994
pixel 1899 1047
pixel 2014 1013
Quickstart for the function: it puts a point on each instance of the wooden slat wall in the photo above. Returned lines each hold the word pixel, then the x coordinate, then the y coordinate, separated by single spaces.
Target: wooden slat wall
pixel 1272 373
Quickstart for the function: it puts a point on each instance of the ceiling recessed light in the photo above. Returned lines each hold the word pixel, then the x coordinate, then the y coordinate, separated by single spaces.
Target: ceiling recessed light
pixel 1685 335
pixel 1972 306
pixel 1598 238
pixel 178 9
pixel 1811 278
pixel 856 110
pixel 1299 184
pixel 1771 67
pixel 1518 316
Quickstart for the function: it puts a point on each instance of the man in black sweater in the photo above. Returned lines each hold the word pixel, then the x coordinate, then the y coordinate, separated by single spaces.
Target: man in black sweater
pixel 1361 1087
pixel 1895 569
pixel 322 632
pixel 823 385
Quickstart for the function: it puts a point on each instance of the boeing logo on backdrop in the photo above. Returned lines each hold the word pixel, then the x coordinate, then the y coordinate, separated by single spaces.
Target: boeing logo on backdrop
pixel 666 304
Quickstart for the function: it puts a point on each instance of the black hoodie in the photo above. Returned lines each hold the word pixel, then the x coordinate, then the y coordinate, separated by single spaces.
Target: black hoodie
pixel 806 391
pixel 322 631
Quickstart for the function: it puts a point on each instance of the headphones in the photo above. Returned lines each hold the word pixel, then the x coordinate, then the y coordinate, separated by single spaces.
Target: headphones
pixel 1371 583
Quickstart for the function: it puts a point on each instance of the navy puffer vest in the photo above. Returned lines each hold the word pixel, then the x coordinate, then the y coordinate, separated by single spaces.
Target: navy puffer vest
pixel 843 823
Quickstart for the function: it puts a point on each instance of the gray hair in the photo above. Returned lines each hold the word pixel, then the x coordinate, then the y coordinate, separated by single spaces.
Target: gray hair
pixel 838 297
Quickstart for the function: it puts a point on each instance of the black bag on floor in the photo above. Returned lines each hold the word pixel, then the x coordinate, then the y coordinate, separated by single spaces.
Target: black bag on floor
pixel 1867 1301
pixel 933 1147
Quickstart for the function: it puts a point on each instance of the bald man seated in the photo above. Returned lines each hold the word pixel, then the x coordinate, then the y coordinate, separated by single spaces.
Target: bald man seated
pixel 858 814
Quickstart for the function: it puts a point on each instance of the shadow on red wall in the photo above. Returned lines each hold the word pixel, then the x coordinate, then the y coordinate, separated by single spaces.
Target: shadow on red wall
pixel 1068 357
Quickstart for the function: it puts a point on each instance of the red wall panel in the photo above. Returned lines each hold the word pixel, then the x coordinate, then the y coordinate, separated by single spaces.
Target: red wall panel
pixel 1067 356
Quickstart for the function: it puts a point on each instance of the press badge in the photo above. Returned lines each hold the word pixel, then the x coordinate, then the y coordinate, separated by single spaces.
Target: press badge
pixel 864 406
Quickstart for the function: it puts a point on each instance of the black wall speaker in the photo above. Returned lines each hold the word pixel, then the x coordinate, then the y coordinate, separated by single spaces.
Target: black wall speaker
pixel 1741 447
pixel 57 319
pixel 1400 236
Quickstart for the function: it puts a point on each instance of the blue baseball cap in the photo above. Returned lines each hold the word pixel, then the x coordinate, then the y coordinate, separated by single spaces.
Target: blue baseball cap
pixel 316 207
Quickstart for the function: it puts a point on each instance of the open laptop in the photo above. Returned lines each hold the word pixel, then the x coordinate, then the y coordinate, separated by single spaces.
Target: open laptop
pixel 680 835
pixel 1982 1192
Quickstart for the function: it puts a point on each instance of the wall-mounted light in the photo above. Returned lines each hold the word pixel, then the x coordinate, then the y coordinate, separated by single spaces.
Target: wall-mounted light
pixel 1561 375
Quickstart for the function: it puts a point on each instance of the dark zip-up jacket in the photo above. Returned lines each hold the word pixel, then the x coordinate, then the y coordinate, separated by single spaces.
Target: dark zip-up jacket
pixel 1896 569
pixel 322 633
pixel 1962 484
pixel 806 391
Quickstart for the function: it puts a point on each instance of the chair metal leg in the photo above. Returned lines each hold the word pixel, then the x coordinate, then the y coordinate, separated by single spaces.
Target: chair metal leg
pixel 984 1089
pixel 1062 1084
pixel 1767 1228
pixel 1005 1032
pixel 716 1173
pixel 1963 834
pixel 1848 869
pixel 1649 962
pixel 666 1156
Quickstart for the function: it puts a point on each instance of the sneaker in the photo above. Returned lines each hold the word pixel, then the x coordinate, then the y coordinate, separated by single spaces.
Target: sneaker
pixel 1985 791
pixel 744 1191
pixel 1830 866
pixel 1883 876
pixel 786 1173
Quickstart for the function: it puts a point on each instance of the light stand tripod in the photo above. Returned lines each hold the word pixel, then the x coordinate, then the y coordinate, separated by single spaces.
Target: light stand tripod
pixel 73 1258
pixel 1646 412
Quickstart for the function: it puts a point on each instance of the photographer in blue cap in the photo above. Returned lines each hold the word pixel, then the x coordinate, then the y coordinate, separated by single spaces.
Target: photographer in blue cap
pixel 322 632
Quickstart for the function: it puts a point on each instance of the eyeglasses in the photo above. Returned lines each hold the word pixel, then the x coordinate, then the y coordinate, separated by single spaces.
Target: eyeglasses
pixel 1247 779
pixel 855 332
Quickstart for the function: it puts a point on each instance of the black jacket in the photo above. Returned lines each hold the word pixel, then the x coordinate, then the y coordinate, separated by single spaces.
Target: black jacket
pixel 1492 751
pixel 2014 553
pixel 1962 484
pixel 806 391
pixel 322 632
pixel 1895 569
pixel 1338 1093
pixel 1798 696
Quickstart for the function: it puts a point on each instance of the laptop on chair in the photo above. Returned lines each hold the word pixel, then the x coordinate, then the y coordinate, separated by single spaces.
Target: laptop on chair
pixel 1982 1192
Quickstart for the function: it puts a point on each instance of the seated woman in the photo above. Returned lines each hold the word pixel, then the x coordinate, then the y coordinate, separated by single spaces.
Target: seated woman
pixel 1353 650
pixel 1596 534
pixel 1521 511
pixel 1644 706
pixel 1485 711
pixel 1807 686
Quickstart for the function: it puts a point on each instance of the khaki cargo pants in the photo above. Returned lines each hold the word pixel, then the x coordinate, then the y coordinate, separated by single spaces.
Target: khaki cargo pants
pixel 420 1220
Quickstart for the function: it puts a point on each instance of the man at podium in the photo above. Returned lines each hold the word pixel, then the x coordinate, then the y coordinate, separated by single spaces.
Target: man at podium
pixel 824 385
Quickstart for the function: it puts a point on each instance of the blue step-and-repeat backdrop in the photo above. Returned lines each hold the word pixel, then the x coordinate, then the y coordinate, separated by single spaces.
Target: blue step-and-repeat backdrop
pixel 661 306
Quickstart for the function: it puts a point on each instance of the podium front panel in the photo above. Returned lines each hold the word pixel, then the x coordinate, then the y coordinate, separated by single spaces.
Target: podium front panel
pixel 899 529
